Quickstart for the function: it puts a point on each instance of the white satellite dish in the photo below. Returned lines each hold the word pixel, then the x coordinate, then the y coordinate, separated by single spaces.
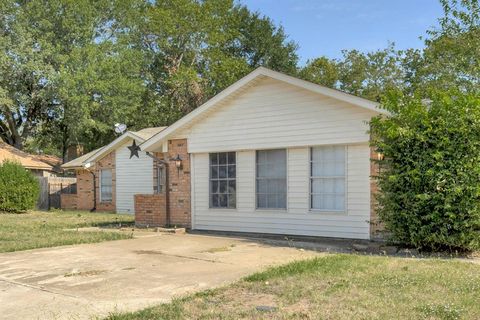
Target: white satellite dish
pixel 120 128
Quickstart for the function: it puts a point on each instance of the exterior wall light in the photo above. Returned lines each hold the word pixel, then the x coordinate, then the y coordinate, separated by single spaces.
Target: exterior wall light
pixel 178 162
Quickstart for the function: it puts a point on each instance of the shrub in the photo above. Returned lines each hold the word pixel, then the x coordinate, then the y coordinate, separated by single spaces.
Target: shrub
pixel 429 178
pixel 19 189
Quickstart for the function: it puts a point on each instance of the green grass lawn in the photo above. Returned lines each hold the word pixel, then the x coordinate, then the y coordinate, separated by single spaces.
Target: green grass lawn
pixel 338 287
pixel 49 229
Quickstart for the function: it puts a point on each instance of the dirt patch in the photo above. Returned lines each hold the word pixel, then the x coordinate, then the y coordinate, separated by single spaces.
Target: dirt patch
pixel 86 273
pixel 219 249
pixel 148 252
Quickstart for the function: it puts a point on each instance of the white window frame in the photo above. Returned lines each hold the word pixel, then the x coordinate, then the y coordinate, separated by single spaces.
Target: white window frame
pixel 311 177
pixel 111 185
pixel 228 179
pixel 257 208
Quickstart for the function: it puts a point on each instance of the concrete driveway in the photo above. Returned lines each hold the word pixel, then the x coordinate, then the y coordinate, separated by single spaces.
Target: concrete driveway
pixel 85 281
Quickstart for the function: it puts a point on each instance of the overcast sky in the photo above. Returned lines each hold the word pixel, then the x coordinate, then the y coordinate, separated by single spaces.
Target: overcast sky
pixel 325 27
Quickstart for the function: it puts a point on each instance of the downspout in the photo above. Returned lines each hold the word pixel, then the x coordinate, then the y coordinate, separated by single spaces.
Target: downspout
pixel 167 188
pixel 94 191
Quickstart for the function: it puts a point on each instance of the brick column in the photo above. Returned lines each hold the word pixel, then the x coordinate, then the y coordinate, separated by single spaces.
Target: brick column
pixel 84 189
pixel 179 196
pixel 150 210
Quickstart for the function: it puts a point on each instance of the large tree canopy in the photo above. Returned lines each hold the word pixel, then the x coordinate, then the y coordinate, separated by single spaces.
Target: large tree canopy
pixel 71 69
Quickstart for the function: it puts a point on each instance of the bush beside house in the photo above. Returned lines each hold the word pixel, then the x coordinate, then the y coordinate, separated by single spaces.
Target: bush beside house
pixel 19 188
pixel 430 174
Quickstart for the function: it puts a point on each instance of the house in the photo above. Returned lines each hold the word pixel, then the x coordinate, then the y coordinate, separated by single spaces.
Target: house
pixel 113 174
pixel 31 162
pixel 269 154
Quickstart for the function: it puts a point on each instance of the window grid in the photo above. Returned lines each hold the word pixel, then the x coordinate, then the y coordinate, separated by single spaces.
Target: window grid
pixel 271 179
pixel 106 185
pixel 332 179
pixel 223 180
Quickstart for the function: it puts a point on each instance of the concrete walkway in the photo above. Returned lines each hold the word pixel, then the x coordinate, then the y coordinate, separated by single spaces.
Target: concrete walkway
pixel 85 281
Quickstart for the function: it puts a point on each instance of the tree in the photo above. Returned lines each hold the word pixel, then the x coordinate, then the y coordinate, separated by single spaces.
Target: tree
pixel 430 175
pixel 321 71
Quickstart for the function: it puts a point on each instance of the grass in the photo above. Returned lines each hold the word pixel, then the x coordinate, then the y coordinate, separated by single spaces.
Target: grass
pixel 49 229
pixel 338 287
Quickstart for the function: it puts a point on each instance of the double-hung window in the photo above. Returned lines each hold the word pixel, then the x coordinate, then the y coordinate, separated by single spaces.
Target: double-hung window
pixel 223 185
pixel 271 179
pixel 327 178
pixel 160 179
pixel 106 185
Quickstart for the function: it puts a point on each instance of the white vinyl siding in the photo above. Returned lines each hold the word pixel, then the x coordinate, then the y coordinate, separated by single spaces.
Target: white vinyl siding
pixel 106 185
pixel 297 219
pixel 133 176
pixel 272 115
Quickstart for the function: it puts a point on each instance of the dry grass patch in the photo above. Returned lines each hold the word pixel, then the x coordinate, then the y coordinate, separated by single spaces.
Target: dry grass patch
pixel 338 287
pixel 49 229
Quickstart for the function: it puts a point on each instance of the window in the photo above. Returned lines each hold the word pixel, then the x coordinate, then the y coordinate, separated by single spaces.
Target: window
pixel 160 179
pixel 223 185
pixel 106 185
pixel 327 175
pixel 272 179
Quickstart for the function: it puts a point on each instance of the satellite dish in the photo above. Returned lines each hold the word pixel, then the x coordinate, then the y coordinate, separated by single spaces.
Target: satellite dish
pixel 120 128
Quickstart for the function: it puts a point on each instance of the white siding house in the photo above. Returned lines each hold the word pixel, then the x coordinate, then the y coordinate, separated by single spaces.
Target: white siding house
pixel 133 176
pixel 317 184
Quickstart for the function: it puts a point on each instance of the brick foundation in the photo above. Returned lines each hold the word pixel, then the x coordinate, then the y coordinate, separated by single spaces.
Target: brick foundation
pixel 150 210
pixel 68 201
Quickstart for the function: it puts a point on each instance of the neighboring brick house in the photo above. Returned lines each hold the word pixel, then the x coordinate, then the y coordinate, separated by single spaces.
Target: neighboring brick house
pixel 37 164
pixel 269 154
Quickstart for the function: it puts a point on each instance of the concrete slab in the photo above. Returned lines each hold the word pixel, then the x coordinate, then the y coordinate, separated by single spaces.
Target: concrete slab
pixel 85 281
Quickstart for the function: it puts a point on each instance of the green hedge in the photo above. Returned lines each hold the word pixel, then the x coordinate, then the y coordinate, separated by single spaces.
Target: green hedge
pixel 430 176
pixel 19 189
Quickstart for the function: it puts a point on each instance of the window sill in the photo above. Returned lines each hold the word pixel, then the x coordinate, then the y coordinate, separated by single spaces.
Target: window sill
pixel 266 210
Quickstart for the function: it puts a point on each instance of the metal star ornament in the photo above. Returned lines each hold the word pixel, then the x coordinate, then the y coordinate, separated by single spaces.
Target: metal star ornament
pixel 134 150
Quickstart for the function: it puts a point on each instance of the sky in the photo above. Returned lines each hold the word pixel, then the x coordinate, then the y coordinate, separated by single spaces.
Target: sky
pixel 325 27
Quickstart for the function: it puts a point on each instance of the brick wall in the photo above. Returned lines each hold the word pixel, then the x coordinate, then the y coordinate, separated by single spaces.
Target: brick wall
pixel 68 201
pixel 84 189
pixel 376 227
pixel 107 162
pixel 150 210
pixel 179 184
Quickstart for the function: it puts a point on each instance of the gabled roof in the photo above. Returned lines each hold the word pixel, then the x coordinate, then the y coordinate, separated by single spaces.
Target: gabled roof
pixel 99 153
pixel 28 161
pixel 261 72
pixel 80 161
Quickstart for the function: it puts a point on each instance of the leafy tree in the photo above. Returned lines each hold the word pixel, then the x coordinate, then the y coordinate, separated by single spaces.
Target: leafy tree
pixel 19 189
pixel 321 71
pixel 430 175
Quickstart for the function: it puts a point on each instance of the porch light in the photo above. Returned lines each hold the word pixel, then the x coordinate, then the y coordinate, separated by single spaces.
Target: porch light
pixel 178 162
pixel 380 156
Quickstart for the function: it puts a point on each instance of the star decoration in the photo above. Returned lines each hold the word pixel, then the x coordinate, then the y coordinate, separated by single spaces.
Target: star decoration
pixel 134 150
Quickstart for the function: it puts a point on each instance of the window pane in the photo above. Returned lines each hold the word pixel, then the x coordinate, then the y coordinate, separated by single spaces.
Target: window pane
pixel 222 158
pixel 106 185
pixel 328 178
pixel 214 186
pixel 222 172
pixel 213 158
pixel 231 186
pixel 231 171
pixel 231 158
pixel 271 179
pixel 223 186
pixel 222 180
pixel 232 203
pixel 214 172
